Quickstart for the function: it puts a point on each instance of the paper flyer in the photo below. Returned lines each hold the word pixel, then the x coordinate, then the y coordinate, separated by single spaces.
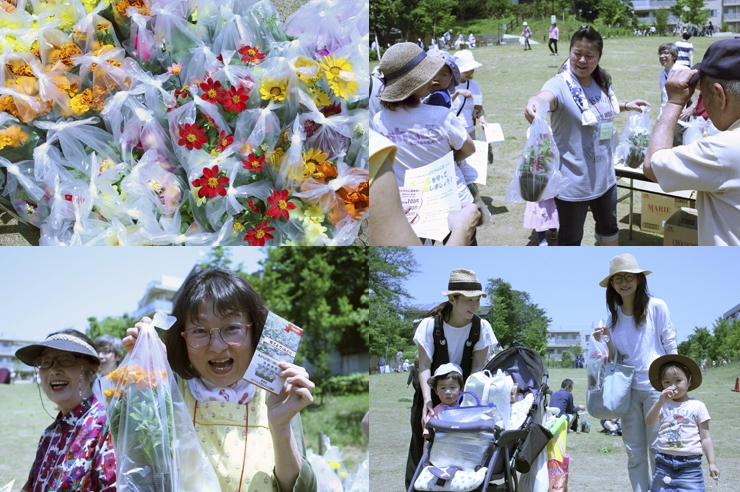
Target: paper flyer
pixel 278 343
pixel 438 185
pixel 411 202
pixel 475 167
pixel 7 487
pixel 494 134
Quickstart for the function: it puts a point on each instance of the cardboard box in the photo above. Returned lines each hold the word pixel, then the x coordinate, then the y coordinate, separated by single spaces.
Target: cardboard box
pixel 680 228
pixel 656 209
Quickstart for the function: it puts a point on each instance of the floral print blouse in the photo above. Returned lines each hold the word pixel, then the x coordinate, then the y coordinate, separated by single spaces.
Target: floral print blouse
pixel 75 453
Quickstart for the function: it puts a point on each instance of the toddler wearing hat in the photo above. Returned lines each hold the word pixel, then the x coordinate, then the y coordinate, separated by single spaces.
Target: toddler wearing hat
pixel 447 384
pixel 443 84
pixel 684 426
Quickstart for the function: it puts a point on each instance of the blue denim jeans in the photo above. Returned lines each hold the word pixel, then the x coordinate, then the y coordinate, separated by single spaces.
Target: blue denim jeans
pixel 640 439
pixel 677 473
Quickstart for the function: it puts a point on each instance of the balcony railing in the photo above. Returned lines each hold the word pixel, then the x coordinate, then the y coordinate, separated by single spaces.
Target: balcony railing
pixel 731 17
pixel 727 3
pixel 652 4
pixel 151 308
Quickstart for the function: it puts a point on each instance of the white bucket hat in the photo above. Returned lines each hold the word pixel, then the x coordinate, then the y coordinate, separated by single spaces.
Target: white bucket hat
pixel 625 263
pixel 525 23
pixel 464 282
pixel 465 61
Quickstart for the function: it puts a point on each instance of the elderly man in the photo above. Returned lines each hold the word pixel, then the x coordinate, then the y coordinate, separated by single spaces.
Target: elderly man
pixel 712 165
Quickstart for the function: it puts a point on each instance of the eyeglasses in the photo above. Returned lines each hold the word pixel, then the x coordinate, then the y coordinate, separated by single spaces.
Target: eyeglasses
pixel 45 362
pixel 627 277
pixel 199 338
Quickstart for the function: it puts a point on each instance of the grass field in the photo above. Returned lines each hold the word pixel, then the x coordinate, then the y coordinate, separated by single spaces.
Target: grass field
pixel 24 420
pixel 598 462
pixel 510 76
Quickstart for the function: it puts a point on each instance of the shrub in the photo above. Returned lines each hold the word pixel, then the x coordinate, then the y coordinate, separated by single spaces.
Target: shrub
pixel 348 384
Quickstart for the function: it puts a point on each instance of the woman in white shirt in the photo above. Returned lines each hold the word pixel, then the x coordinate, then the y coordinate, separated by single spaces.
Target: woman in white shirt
pixel 639 329
pixel 451 332
pixel 467 101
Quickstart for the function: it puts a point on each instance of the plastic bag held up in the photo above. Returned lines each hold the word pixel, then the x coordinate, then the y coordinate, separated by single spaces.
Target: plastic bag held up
pixel 635 139
pixel 598 355
pixel 153 434
pixel 537 176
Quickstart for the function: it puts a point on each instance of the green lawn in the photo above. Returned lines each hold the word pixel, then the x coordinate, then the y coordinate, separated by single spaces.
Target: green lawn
pixel 24 420
pixel 598 462
pixel 510 76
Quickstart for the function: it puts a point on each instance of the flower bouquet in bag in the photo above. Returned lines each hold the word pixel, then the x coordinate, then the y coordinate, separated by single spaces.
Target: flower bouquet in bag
pixel 598 354
pixel 635 139
pixel 537 176
pixel 153 435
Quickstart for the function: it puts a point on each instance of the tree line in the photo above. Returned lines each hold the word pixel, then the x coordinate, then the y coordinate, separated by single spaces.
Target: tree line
pixel 417 18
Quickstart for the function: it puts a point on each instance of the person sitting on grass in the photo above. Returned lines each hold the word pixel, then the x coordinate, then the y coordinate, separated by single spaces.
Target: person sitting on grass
pixel 684 426
pixel 447 383
pixel 563 399
pixel 613 427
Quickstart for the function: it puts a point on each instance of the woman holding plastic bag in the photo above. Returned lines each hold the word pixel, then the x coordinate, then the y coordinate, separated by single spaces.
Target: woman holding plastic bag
pixel 75 451
pixel 451 332
pixel 219 319
pixel 639 327
pixel 583 107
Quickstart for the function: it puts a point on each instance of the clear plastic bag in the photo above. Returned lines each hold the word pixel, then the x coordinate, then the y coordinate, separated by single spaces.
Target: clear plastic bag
pixel 697 128
pixel 156 445
pixel 631 150
pixel 537 176
pixel 598 354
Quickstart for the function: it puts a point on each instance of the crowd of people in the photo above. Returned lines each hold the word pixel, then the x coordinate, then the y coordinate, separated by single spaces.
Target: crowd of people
pixel 423 103
pixel 77 452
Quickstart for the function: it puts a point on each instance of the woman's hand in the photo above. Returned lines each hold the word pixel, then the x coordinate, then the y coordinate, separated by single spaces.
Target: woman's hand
pixel 636 105
pixel 464 92
pixel 133 333
pixel 296 395
pixel 601 331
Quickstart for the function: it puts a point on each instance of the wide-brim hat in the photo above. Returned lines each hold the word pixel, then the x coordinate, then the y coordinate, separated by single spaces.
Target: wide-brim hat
pixel 59 341
pixel 625 263
pixel 657 365
pixel 464 282
pixel 721 61
pixel 406 68
pixel 465 61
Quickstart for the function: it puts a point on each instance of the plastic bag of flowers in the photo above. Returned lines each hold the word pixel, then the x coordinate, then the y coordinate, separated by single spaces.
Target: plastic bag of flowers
pixel 17 141
pixel 635 139
pixel 153 435
pixel 537 176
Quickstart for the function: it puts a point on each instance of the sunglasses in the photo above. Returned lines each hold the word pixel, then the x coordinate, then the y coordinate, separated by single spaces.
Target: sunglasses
pixel 45 362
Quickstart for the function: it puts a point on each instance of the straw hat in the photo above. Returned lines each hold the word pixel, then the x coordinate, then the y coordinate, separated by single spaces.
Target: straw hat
pixel 464 282
pixel 59 341
pixel 625 263
pixel 657 365
pixel 406 68
pixel 465 61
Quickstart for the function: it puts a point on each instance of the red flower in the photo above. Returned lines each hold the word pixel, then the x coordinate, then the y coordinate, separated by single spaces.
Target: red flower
pixel 279 205
pixel 209 120
pixel 212 91
pixel 68 198
pixel 253 163
pixel 236 100
pixel 252 206
pixel 251 55
pixel 210 184
pixel 259 234
pixel 192 136
pixel 224 140
pixel 183 93
pixel 331 110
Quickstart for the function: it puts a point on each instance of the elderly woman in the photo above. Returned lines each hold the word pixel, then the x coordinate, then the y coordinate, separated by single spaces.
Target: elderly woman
pixel 110 353
pixel 75 452
pixel 584 107
pixel 253 438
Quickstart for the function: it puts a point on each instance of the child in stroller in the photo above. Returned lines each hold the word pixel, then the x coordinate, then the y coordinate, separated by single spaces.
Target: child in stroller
pixel 466 455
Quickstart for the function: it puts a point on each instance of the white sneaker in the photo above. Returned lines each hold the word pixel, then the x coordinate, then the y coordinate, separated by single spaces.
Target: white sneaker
pixel 543 242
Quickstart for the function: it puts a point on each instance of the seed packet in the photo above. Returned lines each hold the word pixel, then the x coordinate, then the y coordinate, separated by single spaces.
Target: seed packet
pixel 278 343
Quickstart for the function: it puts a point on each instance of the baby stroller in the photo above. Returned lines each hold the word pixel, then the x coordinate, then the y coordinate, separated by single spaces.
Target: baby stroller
pixel 482 452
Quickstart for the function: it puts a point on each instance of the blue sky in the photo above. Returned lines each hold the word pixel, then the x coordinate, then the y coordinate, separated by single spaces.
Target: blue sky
pixel 48 289
pixel 698 284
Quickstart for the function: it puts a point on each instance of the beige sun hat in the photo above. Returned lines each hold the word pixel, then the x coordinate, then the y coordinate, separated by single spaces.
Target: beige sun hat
pixel 625 263
pixel 464 282
pixel 465 61
pixel 406 68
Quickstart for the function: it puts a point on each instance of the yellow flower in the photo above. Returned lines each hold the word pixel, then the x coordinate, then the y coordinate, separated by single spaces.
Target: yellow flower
pixel 274 90
pixel 314 232
pixel 80 104
pixel 276 156
pixel 344 88
pixel 307 70
pixel 312 160
pixel 238 226
pixel 314 214
pixel 321 98
pixel 12 136
pixel 333 66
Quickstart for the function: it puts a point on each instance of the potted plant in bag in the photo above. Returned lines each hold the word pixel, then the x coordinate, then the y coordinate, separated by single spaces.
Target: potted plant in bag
pixel 534 168
pixel 638 139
